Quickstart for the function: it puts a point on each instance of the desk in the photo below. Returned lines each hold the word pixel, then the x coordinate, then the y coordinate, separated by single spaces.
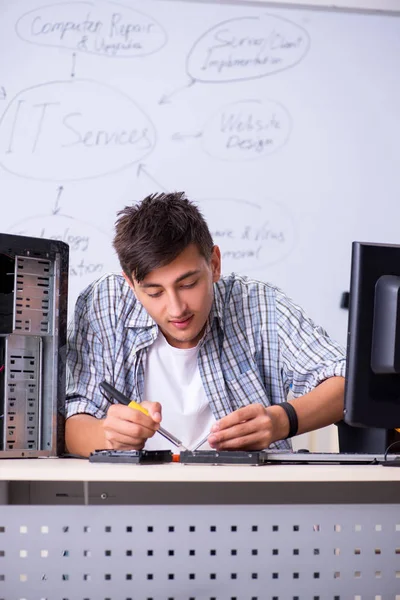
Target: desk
pixel 71 530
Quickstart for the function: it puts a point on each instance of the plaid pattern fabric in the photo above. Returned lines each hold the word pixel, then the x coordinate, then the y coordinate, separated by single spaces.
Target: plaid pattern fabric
pixel 257 345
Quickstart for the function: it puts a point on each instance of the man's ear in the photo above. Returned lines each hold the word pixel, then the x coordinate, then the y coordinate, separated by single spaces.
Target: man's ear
pixel 216 263
pixel 129 282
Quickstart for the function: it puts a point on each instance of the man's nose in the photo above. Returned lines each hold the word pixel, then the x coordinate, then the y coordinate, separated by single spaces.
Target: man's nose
pixel 176 306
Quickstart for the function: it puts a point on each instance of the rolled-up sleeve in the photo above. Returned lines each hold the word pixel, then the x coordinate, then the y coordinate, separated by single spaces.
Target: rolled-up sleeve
pixel 308 355
pixel 86 362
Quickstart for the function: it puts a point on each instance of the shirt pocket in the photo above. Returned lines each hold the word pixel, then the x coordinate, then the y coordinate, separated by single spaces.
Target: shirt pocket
pixel 246 389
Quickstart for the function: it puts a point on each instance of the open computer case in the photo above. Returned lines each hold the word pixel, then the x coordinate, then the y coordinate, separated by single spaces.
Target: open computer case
pixel 33 323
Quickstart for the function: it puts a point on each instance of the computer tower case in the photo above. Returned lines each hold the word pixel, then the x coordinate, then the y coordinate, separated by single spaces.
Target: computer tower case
pixel 33 324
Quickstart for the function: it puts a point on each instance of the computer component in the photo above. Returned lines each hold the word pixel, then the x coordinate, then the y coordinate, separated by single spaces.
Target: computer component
pixel 306 457
pixel 138 457
pixel 223 457
pixel 33 321
pixel 269 457
pixel 372 396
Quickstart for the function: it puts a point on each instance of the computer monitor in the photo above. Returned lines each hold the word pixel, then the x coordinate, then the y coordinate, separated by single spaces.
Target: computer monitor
pixel 372 391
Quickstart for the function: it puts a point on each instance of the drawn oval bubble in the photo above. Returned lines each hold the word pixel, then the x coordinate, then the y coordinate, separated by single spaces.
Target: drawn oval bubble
pixel 90 250
pixel 103 28
pixel 72 130
pixel 247 48
pixel 249 235
pixel 246 130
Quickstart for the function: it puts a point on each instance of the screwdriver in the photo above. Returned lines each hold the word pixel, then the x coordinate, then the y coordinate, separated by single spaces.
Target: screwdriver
pixel 107 387
pixel 203 441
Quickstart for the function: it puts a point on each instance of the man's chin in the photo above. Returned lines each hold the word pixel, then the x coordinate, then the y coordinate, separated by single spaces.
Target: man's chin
pixel 185 339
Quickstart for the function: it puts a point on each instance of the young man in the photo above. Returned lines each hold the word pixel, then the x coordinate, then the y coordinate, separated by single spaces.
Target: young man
pixel 204 354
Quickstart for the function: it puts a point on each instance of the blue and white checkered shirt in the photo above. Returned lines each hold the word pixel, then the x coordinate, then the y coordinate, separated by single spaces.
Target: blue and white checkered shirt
pixel 257 345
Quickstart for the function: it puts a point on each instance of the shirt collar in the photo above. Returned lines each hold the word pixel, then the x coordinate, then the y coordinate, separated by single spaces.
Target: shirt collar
pixel 216 315
pixel 139 317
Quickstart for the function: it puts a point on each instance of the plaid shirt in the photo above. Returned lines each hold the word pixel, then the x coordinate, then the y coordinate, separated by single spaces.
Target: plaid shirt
pixel 257 345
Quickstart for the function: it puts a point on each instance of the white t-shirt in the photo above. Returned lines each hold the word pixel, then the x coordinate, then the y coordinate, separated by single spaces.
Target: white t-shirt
pixel 173 379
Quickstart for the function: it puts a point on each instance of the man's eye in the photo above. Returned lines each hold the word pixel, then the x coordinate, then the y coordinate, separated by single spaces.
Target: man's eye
pixel 156 295
pixel 188 285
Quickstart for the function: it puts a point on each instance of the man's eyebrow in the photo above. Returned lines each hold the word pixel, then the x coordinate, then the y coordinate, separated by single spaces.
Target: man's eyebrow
pixel 178 280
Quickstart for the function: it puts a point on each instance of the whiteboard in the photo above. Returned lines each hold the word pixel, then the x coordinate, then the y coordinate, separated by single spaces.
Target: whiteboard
pixel 282 123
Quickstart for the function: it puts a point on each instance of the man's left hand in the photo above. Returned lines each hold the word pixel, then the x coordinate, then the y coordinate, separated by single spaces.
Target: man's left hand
pixel 251 427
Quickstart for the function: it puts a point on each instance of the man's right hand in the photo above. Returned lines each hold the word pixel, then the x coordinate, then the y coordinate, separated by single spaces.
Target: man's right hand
pixel 126 428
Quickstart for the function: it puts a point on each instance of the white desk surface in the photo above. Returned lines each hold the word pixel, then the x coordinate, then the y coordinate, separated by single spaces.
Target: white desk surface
pixel 70 469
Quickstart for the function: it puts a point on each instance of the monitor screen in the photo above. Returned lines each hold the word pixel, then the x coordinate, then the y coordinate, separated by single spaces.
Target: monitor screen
pixel 372 393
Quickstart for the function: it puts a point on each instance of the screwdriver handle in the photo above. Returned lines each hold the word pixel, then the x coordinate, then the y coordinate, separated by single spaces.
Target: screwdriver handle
pixel 122 398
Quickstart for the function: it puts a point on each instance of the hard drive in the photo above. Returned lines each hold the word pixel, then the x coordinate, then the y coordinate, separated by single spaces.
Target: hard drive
pixel 223 457
pixel 137 457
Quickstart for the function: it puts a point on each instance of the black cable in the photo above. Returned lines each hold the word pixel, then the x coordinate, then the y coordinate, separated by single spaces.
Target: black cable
pixel 388 448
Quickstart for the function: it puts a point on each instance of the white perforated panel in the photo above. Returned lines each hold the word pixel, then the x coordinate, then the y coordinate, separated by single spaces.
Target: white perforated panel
pixel 200 552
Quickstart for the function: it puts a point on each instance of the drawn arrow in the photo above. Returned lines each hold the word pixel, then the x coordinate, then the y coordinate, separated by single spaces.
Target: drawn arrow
pixel 142 169
pixel 57 208
pixel 166 99
pixel 180 137
pixel 73 64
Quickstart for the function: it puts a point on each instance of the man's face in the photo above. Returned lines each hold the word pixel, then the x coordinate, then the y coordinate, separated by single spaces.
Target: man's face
pixel 179 295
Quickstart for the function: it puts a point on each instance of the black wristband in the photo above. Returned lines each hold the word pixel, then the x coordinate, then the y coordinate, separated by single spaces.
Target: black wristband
pixel 292 416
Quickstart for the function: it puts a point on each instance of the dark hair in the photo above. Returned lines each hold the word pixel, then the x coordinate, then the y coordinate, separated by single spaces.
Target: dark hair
pixel 152 233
